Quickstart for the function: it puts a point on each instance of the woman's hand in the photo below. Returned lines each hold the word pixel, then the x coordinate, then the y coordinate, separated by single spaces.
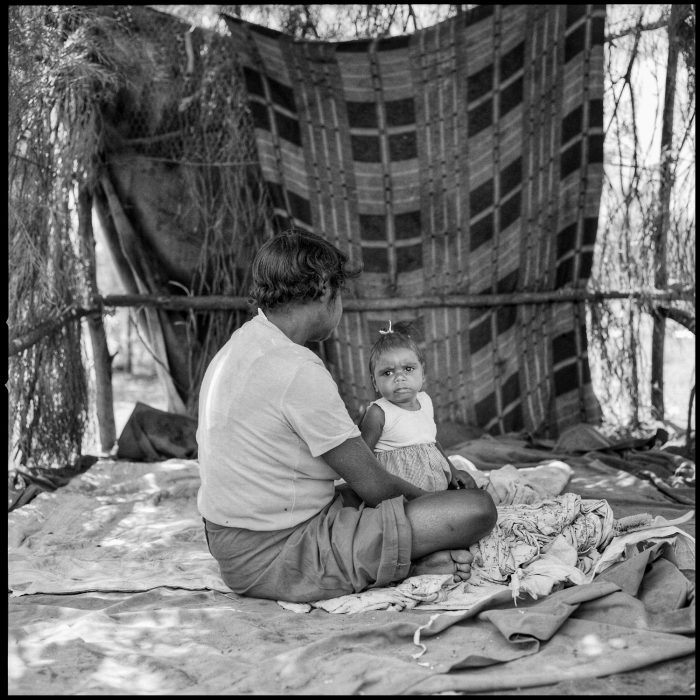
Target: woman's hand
pixel 461 479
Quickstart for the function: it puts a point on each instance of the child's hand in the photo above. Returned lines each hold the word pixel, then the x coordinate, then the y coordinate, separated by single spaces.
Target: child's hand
pixel 462 480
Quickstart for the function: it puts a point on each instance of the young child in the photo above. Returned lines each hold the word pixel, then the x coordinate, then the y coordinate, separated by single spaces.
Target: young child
pixel 400 427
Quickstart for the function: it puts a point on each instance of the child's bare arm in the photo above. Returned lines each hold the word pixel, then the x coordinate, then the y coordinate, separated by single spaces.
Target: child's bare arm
pixel 372 425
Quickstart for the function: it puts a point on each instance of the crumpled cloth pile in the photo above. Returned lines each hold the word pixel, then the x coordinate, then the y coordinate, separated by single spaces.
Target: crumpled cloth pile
pixel 509 485
pixel 561 537
pixel 542 541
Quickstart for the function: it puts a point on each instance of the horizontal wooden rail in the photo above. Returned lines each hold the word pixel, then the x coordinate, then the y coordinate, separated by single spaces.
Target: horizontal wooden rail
pixel 213 303
pixel 20 342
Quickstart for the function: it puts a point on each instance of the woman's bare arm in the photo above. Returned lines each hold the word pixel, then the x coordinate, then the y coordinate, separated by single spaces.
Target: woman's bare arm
pixel 354 462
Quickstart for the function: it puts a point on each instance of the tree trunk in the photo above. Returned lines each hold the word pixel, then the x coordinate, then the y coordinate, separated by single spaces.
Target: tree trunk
pixel 98 337
pixel 661 225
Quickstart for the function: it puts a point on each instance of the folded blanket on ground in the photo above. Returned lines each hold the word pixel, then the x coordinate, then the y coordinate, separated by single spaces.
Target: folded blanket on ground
pixel 539 544
pixel 636 613
pixel 126 526
pixel 121 526
pixel 584 445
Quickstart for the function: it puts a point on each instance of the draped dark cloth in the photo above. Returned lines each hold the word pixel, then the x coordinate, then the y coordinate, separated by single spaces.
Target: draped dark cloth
pixel 464 158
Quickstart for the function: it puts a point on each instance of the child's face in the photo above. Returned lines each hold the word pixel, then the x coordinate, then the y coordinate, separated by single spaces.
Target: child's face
pixel 398 376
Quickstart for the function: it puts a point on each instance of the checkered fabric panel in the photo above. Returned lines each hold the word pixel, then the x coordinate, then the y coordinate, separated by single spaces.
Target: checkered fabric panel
pixel 464 158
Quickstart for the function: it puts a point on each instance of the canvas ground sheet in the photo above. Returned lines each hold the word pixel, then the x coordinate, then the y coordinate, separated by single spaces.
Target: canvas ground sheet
pixel 115 592
pixel 466 157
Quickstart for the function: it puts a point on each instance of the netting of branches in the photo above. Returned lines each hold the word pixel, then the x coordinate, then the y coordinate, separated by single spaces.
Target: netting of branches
pixel 187 109
pixel 84 82
pixel 53 134
pixel 626 255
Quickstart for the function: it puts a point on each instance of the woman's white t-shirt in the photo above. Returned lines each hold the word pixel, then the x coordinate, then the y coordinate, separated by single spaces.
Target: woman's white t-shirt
pixel 268 408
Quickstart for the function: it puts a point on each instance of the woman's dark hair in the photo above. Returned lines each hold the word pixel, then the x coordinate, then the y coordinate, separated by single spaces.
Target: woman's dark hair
pixel 294 266
pixel 396 336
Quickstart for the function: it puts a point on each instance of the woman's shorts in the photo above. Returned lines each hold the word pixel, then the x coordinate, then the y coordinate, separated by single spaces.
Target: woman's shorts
pixel 339 551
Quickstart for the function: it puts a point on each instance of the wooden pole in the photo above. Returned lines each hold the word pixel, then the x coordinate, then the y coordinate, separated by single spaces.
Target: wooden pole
pixel 20 342
pixel 98 337
pixel 129 350
pixel 688 431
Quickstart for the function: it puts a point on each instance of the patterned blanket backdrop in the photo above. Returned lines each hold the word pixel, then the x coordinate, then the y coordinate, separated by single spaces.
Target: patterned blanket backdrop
pixel 464 158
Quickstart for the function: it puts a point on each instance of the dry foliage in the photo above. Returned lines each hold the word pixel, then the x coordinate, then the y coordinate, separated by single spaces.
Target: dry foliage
pixel 54 131
pixel 626 255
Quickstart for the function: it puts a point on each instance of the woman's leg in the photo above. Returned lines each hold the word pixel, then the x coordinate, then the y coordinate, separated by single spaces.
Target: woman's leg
pixel 443 526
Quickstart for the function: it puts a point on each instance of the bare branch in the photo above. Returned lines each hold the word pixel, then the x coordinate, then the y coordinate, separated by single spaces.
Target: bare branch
pixel 684 318
pixel 659 24
pixel 411 15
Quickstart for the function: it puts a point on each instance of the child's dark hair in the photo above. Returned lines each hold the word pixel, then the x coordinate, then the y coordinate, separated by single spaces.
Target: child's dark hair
pixel 395 336
pixel 294 266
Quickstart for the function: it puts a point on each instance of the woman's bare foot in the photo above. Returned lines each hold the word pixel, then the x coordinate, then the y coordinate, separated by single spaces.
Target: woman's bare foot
pixel 457 562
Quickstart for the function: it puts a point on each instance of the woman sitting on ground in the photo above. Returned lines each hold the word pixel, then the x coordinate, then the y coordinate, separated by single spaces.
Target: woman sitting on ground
pixel 273 437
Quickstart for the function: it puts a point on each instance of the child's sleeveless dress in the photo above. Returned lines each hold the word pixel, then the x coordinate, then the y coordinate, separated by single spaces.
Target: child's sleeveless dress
pixel 407 446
